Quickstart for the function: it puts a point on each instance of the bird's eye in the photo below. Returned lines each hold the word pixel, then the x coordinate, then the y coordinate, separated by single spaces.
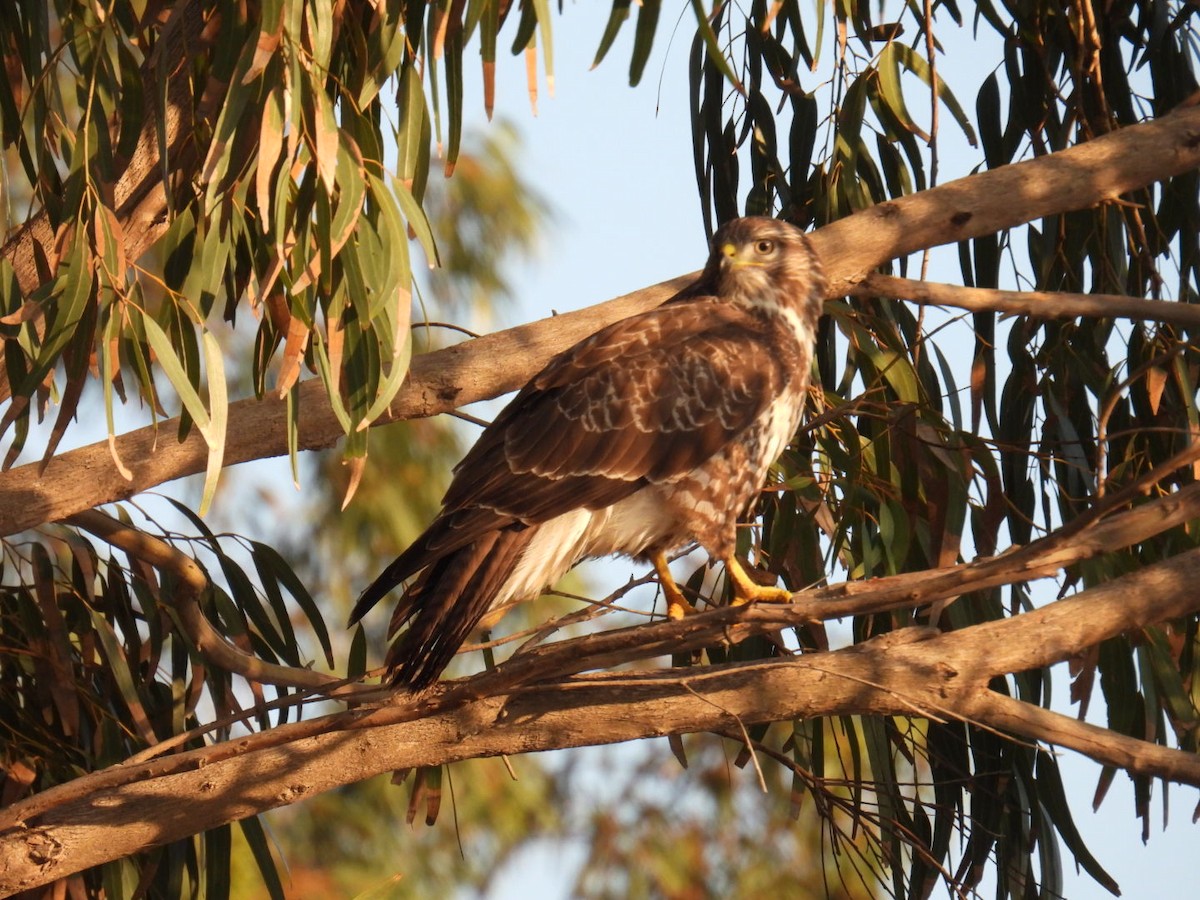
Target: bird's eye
pixel 764 247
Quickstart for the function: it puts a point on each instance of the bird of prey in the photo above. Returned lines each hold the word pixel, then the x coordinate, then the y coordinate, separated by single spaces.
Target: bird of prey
pixel 652 433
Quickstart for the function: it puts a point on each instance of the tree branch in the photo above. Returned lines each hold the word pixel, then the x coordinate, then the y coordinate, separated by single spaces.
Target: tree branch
pixel 1048 304
pixel 1076 178
pixel 1101 744
pixel 905 673
pixel 190 584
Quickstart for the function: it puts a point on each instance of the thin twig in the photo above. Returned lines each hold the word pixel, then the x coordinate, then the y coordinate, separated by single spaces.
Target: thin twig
pixel 1045 304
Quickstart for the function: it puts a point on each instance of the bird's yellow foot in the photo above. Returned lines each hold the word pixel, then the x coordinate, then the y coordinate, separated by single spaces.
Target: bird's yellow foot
pixel 677 604
pixel 747 590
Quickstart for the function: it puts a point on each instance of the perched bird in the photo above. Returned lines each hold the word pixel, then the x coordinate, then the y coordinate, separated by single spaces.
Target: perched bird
pixel 652 433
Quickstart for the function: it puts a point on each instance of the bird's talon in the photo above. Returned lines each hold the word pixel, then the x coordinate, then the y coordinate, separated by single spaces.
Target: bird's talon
pixel 763 594
pixel 747 590
pixel 679 609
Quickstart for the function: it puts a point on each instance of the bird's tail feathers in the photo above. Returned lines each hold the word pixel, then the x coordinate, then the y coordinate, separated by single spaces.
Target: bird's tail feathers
pixel 401 568
pixel 446 602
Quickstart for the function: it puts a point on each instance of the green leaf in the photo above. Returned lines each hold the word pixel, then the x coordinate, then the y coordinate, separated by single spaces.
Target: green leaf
pixel 219 159
pixel 410 131
pixel 920 67
pixel 272 567
pixel 891 90
pixel 715 55
pixel 356 661
pixel 214 430
pixel 897 371
pixel 293 432
pixel 643 38
pixel 618 17
pixel 217 852
pixel 396 374
pixel 173 368
pixel 547 35
pixel 256 838
pixel 1053 799
pixel 70 292
pixel 454 93
pixel 417 221
pixel 118 666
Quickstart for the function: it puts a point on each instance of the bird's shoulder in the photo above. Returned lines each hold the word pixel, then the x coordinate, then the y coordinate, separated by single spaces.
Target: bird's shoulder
pixel 648 398
pixel 651 338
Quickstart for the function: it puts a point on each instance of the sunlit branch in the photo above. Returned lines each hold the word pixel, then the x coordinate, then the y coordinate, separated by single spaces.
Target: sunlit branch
pixel 1047 304
pixel 938 674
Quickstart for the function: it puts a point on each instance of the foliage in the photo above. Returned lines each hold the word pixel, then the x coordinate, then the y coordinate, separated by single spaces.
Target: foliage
pixel 95 669
pixel 268 164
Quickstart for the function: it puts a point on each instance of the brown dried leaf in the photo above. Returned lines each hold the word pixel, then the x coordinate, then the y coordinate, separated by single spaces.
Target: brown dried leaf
pixel 28 312
pixel 356 466
pixel 325 143
pixel 531 78
pixel 293 353
pixel 335 336
pixel 121 467
pixel 18 777
pixel 489 88
pixel 1156 382
pixel 270 147
pixel 263 51
pixel 440 21
pixel 978 384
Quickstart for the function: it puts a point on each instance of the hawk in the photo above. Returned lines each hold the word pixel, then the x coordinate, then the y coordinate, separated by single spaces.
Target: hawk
pixel 652 433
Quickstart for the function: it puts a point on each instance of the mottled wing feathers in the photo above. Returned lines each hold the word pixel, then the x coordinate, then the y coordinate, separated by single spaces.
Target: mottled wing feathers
pixel 647 399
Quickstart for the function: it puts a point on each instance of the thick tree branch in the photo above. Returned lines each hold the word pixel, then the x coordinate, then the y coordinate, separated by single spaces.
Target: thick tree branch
pixel 1079 177
pixel 942 676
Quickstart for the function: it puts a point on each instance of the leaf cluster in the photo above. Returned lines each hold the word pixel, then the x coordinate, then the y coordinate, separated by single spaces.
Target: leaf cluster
pixel 96 667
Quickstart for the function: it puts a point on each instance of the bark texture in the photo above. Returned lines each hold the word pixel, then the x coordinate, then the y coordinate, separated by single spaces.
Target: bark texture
pixel 913 672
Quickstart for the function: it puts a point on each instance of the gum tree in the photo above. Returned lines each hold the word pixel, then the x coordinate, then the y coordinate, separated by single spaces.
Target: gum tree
pixel 180 175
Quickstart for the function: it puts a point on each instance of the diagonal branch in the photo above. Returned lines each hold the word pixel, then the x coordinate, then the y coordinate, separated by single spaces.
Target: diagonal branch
pixel 1101 744
pixel 1075 178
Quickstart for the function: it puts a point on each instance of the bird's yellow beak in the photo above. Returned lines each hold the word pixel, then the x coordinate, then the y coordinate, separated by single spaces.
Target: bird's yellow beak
pixel 737 260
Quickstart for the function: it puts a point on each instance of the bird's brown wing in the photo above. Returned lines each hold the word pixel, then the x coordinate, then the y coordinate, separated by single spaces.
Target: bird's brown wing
pixel 647 399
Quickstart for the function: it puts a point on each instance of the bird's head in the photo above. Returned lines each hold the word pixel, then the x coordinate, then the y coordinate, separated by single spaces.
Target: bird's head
pixel 761 262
